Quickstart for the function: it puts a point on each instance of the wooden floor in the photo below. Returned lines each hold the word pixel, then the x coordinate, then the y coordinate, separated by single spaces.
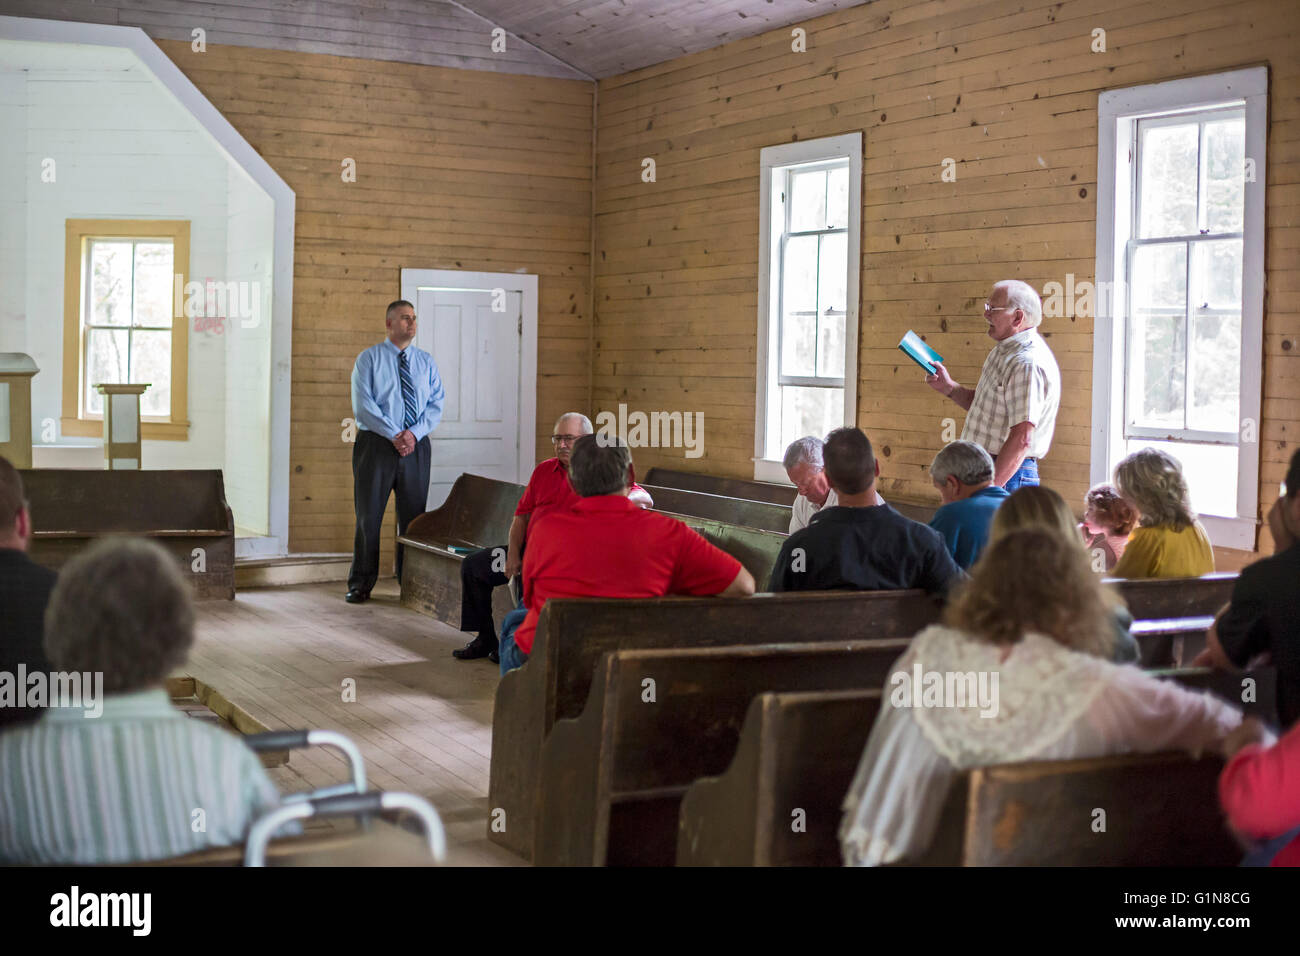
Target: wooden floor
pixel 422 719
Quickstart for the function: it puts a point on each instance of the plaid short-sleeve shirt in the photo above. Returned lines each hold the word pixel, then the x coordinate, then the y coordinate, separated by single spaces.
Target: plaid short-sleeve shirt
pixel 1020 382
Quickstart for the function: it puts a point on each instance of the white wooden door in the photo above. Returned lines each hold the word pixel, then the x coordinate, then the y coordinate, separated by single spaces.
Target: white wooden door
pixel 478 355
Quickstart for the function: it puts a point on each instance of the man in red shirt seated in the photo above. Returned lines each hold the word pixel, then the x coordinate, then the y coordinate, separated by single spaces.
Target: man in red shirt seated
pixel 606 546
pixel 489 568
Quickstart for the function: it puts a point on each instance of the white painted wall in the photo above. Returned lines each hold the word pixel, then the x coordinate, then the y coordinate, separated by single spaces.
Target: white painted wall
pixel 124 148
pixel 13 212
pixel 249 232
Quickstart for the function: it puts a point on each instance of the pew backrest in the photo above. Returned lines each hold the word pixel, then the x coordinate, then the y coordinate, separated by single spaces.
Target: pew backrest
pixel 743 512
pixel 727 487
pixel 1152 598
pixel 477 512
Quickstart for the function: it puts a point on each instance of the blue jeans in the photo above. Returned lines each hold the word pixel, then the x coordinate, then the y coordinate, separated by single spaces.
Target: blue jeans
pixel 507 650
pixel 1026 474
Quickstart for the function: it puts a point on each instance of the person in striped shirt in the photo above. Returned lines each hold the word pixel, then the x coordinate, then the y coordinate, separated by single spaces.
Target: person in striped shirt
pixel 141 781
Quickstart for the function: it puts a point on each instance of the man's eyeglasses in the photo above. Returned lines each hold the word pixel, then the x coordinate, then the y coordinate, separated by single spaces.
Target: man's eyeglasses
pixel 564 439
pixel 989 308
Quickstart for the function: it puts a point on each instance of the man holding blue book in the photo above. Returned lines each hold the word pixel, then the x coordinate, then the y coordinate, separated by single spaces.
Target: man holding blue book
pixel 1012 409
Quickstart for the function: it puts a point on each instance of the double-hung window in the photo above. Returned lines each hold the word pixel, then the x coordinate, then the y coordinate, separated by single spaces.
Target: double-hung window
pixel 808 299
pixel 1177 356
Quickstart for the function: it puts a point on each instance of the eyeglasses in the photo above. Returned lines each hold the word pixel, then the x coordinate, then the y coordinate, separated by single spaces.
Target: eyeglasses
pixel 564 439
pixel 989 308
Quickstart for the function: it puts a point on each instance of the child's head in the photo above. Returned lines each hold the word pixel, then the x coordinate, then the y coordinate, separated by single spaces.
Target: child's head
pixel 1105 512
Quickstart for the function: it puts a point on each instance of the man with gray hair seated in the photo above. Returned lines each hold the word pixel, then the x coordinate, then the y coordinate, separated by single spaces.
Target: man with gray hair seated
pixel 963 473
pixel 803 466
pixel 1013 406
pixel 120 775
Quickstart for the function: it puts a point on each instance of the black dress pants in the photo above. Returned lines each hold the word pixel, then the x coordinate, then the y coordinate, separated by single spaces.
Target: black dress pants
pixel 477 579
pixel 377 470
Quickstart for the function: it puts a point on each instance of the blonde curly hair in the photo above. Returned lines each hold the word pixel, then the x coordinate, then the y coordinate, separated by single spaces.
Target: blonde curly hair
pixel 1152 480
pixel 1033 579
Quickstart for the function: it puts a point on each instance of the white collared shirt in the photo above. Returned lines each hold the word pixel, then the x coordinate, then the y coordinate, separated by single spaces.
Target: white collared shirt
pixel 803 511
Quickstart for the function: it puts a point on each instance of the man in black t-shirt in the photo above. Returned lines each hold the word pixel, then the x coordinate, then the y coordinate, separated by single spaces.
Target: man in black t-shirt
pixel 24 591
pixel 858 544
pixel 1264 615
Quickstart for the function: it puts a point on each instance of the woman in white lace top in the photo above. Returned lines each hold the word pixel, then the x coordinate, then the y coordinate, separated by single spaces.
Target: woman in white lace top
pixel 1039 643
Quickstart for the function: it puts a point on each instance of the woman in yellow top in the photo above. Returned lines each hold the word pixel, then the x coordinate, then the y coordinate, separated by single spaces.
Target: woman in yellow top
pixel 1169 542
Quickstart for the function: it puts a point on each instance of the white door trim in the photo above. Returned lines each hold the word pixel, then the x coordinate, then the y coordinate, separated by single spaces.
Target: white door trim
pixel 526 286
pixel 230 142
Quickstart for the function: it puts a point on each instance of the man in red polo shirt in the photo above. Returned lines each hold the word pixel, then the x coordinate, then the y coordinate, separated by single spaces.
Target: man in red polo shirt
pixel 606 546
pixel 484 570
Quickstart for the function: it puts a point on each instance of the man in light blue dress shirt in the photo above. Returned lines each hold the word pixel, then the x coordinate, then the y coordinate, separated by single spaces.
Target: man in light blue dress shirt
pixel 397 401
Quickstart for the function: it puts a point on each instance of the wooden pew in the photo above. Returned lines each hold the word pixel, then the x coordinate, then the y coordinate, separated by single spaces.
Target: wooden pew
pixel 1172 615
pixel 180 510
pixel 745 512
pixel 612 779
pixel 476 514
pixel 801 750
pixel 921 511
pixel 727 487
pixel 572 635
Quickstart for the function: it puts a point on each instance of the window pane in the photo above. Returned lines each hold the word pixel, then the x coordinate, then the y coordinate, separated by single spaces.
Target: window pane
pixel 837 198
pixel 1225 175
pixel 151 361
pixel 153 284
pixel 110 283
pixel 830 345
pixel 106 363
pixel 1216 271
pixel 1167 180
pixel 810 411
pixel 1157 346
pixel 798 344
pixel 1210 470
pixel 799 291
pixel 808 201
pixel 833 273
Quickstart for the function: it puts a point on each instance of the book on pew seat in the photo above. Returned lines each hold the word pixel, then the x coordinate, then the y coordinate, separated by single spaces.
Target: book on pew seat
pixel 915 348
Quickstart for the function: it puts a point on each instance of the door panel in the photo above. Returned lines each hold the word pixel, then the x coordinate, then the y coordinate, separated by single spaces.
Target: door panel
pixel 477 351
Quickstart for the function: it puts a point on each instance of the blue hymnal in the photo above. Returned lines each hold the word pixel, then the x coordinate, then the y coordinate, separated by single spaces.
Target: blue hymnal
pixel 915 348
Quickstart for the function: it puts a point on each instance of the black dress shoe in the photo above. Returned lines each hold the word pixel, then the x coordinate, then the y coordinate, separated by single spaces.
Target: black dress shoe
pixel 474 650
pixel 356 596
pixel 494 658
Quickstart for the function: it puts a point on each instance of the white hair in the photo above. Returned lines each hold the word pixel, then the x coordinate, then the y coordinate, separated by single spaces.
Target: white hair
pixel 964 460
pixel 583 421
pixel 1021 295
pixel 803 451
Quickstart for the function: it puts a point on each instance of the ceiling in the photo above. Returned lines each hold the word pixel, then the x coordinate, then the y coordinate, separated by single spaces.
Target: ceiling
pixel 607 37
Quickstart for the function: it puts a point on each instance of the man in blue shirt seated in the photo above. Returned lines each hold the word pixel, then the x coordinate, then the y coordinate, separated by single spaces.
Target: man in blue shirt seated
pixel 859 544
pixel 963 473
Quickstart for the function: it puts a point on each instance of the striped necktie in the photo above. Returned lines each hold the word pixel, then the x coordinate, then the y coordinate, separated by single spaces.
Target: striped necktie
pixel 408 390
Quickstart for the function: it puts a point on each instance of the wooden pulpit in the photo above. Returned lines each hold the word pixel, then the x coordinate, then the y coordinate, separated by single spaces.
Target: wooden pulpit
pixel 122 426
pixel 16 371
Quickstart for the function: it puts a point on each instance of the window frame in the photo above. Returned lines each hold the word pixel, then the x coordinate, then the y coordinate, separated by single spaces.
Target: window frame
pixel 75 421
pixel 1118 114
pixel 827 149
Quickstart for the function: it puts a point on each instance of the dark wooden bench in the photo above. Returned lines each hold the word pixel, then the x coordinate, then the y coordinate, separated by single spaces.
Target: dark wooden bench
pixel 745 512
pixel 801 750
pixel 1172 615
pixel 476 514
pixel 612 779
pixel 921 511
pixel 572 635
pixel 180 510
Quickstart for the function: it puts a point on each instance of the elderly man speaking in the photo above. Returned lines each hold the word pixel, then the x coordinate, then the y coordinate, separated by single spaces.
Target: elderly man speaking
pixel 1012 409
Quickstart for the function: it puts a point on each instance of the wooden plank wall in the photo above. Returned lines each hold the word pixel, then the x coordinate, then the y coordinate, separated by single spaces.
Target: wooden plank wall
pixel 455 169
pixel 1009 90
pixel 432 32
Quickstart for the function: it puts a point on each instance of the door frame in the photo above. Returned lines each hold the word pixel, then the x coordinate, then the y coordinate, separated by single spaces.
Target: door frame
pixel 526 286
